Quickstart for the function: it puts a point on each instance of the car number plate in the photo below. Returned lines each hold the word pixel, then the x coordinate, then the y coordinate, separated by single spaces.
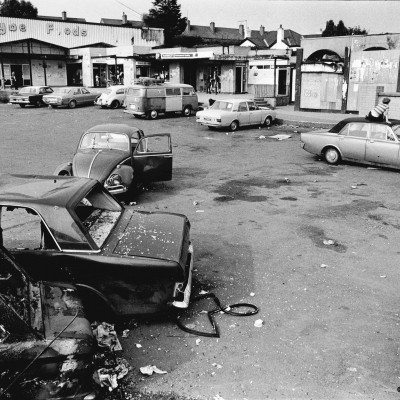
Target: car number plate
pixel 133 107
pixel 207 119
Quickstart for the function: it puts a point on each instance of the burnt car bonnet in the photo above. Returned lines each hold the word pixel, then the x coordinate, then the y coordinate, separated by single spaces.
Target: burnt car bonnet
pixel 97 164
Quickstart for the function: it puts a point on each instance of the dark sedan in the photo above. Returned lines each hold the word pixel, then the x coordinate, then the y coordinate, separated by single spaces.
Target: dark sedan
pixel 357 140
pixel 120 157
pixel 69 96
pixel 30 95
pixel 124 261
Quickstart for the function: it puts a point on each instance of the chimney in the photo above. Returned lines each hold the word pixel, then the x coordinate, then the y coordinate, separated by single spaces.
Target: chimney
pixel 64 15
pixel 280 34
pixel 124 19
pixel 187 26
pixel 241 30
pixel 262 30
pixel 212 27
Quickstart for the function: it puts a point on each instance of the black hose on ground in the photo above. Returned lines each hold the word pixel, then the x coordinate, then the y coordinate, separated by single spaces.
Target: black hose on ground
pixel 226 310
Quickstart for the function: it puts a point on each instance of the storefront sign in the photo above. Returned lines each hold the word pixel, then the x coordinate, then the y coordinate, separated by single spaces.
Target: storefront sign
pixel 13 27
pixel 205 54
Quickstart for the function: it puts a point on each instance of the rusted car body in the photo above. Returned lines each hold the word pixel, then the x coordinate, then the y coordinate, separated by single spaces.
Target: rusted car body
pixel 120 157
pixel 46 343
pixel 124 260
pixel 357 140
pixel 235 113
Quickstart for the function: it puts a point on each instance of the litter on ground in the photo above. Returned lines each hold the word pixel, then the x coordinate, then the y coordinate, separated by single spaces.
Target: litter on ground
pixel 281 137
pixel 150 369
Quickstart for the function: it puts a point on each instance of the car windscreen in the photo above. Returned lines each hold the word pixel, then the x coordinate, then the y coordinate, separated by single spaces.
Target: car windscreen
pixel 105 140
pixel 396 130
pixel 222 105
pixel 99 212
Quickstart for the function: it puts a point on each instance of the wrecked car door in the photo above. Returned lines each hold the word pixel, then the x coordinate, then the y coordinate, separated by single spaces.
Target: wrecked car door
pixel 152 158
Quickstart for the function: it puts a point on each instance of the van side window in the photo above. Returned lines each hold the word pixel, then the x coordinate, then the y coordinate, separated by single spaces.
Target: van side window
pixel 155 92
pixel 186 91
pixel 173 91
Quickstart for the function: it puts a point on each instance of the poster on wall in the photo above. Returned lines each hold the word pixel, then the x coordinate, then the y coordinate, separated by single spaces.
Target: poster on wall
pixel 311 91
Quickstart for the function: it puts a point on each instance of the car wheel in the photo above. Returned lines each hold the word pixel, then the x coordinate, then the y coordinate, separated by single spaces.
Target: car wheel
pixel 187 111
pixel 72 104
pixel 114 104
pixel 22 105
pixel 38 103
pixel 268 121
pixel 234 126
pixel 153 114
pixel 332 156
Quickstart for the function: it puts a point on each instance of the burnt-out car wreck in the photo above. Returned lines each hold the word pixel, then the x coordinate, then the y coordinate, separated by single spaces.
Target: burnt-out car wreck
pixel 123 261
pixel 46 343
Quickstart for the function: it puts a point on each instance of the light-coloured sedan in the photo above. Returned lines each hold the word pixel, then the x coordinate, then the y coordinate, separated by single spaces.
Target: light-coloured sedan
pixel 112 97
pixel 70 96
pixel 235 113
pixel 357 140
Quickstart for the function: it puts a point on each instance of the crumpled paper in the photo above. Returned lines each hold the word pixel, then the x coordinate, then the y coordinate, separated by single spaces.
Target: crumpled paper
pixel 150 369
pixel 107 337
pixel 109 377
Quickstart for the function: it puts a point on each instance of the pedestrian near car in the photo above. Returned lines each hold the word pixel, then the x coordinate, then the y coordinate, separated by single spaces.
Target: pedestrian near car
pixel 380 112
pixel 13 81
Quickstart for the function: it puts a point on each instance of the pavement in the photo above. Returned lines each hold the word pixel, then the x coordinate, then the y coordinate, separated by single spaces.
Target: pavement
pixel 285 114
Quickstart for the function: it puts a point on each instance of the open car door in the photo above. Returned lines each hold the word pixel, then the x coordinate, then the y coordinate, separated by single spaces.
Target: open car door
pixel 152 158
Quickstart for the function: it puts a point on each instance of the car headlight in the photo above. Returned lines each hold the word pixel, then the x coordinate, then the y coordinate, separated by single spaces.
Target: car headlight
pixel 114 180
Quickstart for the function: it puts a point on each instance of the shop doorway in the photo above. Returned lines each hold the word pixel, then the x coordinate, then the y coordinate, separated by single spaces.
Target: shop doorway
pixel 239 80
pixel 189 75
pixel 282 82
pixel 74 74
pixel 17 69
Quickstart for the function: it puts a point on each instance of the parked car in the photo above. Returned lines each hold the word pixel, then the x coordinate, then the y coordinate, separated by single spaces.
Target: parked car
pixel 357 140
pixel 151 99
pixel 121 157
pixel 124 261
pixel 70 97
pixel 43 326
pixel 112 97
pixel 235 113
pixel 30 95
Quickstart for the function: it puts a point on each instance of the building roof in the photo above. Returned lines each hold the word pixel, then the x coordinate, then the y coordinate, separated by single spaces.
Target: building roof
pixel 118 22
pixel 66 19
pixel 236 36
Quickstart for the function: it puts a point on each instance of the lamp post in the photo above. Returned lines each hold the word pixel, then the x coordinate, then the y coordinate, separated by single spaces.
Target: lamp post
pixel 44 64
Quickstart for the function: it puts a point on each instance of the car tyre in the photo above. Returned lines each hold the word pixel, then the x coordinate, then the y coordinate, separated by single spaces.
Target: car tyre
pixel 114 104
pixel 153 114
pixel 187 111
pixel 268 121
pixel 332 156
pixel 22 105
pixel 72 104
pixel 38 103
pixel 234 126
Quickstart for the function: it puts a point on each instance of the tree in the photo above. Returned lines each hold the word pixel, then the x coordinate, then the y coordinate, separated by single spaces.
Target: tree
pixel 340 29
pixel 166 14
pixel 18 9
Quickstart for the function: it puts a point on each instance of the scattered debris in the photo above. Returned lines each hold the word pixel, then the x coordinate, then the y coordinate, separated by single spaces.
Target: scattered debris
pixel 138 345
pixel 383 276
pixel 328 242
pixel 352 369
pixel 109 376
pixel 132 203
pixel 287 180
pixel 261 137
pixel 198 341
pixel 199 211
pixel 195 203
pixel 106 336
pixel 203 292
pixel 218 397
pixel 150 369
pixel 258 323
pixel 216 365
pixel 125 333
pixel 191 326
pixel 252 294
pixel 323 266
pixel 281 137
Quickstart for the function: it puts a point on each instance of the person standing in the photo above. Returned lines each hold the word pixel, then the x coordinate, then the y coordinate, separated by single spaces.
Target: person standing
pixel 380 112
pixel 13 81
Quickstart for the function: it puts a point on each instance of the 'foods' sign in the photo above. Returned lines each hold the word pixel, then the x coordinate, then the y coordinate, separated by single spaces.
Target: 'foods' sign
pixel 67 31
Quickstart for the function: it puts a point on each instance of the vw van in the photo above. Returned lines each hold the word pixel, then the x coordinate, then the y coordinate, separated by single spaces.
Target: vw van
pixel 163 98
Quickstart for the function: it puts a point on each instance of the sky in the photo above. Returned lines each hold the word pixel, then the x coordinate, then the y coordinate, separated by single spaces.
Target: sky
pixel 304 17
